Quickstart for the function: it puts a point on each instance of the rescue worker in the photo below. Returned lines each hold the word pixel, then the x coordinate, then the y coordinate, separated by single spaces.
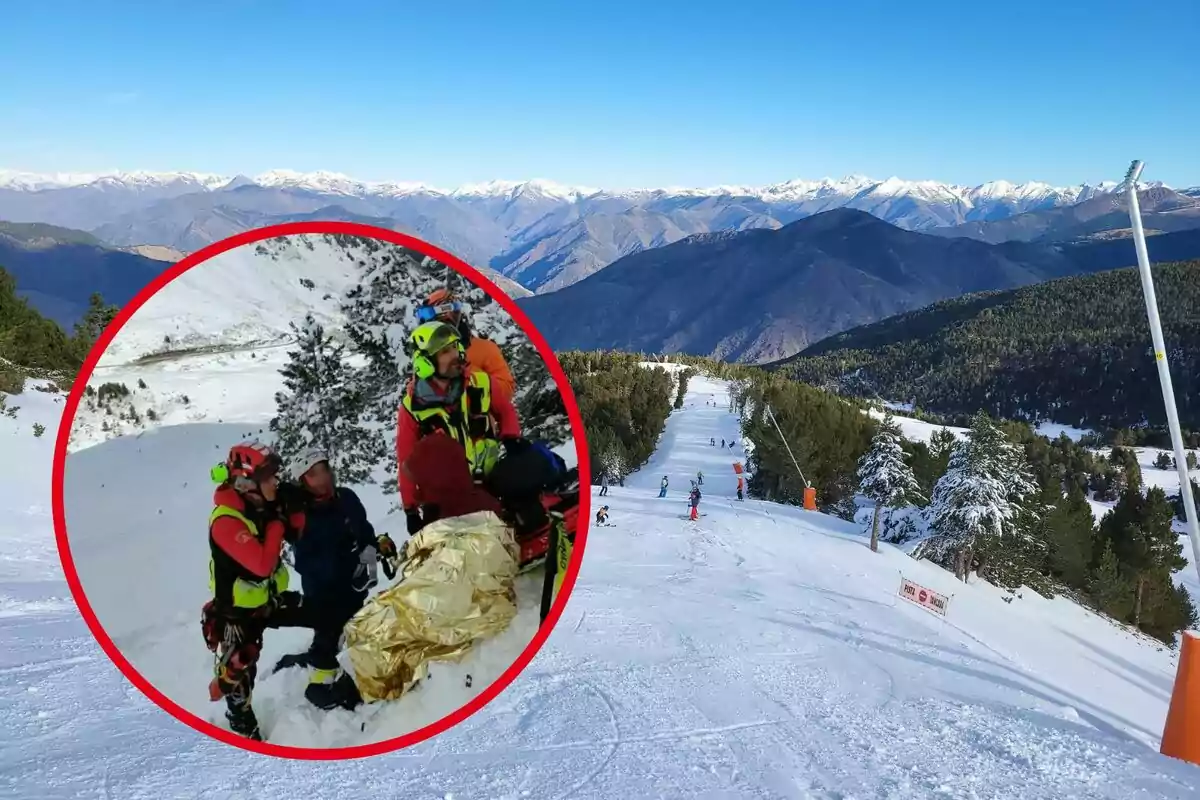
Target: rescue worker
pixel 448 395
pixel 337 557
pixel 443 306
pixel 247 576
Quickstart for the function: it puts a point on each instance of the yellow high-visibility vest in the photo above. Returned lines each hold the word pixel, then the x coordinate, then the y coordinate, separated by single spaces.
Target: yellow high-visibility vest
pixel 247 593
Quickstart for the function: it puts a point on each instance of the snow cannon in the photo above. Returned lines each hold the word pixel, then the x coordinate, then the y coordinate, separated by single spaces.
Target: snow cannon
pixel 810 498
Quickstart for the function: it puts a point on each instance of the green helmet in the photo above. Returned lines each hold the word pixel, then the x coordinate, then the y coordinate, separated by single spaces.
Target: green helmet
pixel 430 339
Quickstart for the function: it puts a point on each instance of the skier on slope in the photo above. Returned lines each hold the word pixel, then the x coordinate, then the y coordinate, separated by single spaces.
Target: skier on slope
pixel 443 306
pixel 603 482
pixel 694 501
pixel 722 443
pixel 602 515
pixel 247 576
pixel 699 478
pixel 448 395
pixel 336 556
pixel 662 487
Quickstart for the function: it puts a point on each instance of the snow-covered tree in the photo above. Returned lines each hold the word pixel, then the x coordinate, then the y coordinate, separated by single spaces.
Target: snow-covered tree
pixel 319 406
pixel 381 314
pixel 884 476
pixel 982 494
pixel 615 462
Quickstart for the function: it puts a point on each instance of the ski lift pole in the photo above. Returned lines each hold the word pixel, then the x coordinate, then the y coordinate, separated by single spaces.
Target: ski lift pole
pixel 783 439
pixel 810 500
pixel 1160 358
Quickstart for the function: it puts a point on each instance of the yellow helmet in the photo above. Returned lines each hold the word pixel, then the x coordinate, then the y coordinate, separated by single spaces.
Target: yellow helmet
pixel 430 339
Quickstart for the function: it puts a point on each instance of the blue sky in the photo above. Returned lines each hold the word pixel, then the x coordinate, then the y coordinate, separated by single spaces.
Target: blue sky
pixel 614 94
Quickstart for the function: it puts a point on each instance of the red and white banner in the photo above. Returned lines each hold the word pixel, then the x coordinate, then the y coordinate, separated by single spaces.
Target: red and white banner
pixel 922 596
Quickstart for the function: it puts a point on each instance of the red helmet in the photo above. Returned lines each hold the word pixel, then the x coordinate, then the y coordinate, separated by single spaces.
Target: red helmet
pixel 253 461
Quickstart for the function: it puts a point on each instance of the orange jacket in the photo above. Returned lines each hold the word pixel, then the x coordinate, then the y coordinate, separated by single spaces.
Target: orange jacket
pixel 484 354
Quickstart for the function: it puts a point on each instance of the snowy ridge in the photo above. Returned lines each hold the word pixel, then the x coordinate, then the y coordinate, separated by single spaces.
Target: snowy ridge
pixel 798 190
pixel 245 296
pixel 208 347
pixel 34 182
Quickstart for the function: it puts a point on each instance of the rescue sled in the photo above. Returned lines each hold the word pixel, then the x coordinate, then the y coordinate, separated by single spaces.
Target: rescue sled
pixel 536 489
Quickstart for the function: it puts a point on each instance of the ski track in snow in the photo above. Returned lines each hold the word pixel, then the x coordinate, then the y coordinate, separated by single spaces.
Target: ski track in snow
pixel 759 653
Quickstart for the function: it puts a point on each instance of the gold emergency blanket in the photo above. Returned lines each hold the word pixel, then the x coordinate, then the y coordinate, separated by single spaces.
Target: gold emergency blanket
pixel 456 587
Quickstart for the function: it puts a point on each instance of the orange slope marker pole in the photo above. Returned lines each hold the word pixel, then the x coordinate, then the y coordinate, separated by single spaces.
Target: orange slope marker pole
pixel 1181 734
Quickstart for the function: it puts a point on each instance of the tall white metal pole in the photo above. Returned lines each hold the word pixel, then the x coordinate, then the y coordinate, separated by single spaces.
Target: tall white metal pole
pixel 1160 357
pixel 789 448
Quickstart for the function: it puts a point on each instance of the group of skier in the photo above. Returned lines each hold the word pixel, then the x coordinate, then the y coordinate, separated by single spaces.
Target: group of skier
pixel 460 390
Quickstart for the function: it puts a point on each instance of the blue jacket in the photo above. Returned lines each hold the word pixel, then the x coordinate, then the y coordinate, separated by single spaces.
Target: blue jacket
pixel 326 554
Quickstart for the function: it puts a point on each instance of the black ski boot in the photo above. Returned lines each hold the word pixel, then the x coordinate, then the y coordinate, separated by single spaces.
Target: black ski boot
pixel 342 693
pixel 243 722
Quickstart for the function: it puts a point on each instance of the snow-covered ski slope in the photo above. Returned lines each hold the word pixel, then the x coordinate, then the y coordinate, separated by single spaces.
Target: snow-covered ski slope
pixel 761 653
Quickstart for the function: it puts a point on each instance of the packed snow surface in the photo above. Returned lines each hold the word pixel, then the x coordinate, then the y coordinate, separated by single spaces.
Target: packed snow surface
pixel 759 652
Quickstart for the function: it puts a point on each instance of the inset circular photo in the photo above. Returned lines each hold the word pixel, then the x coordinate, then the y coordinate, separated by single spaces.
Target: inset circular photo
pixel 317 490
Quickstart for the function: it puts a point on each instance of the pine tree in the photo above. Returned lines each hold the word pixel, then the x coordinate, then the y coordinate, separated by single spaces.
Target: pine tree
pixel 941 444
pixel 884 476
pixel 1139 530
pixel 982 494
pixel 1177 502
pixel 319 407
pixel 1071 530
pixel 1109 587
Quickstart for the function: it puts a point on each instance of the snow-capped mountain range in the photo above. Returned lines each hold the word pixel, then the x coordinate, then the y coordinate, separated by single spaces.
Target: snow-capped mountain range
pixel 334 183
pixel 539 233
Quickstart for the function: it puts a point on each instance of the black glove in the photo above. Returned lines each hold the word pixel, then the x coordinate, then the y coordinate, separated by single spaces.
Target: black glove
pixel 386 547
pixel 289 600
pixel 515 445
pixel 413 518
pixel 291 498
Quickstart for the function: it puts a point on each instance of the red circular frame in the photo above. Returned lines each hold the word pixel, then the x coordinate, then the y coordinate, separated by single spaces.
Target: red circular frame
pixel 64 549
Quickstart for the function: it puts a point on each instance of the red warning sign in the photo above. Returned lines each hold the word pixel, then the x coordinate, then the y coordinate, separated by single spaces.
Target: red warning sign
pixel 926 598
